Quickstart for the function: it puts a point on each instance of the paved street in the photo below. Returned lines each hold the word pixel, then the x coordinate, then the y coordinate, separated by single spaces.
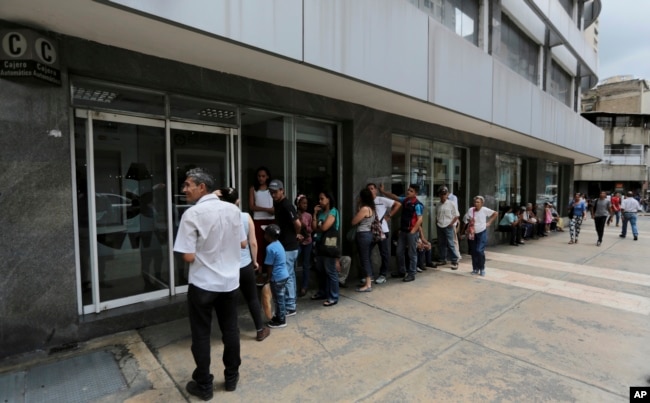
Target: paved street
pixel 549 322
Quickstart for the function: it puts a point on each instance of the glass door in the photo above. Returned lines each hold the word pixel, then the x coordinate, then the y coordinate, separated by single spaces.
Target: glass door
pixel 129 172
pixel 197 146
pixel 122 209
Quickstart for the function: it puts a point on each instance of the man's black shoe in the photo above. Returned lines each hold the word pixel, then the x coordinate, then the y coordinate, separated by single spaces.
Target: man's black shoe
pixel 193 389
pixel 409 277
pixel 397 275
pixel 636 237
pixel 231 385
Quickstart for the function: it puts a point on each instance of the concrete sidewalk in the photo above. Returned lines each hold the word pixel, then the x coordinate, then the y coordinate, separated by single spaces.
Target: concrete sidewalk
pixel 549 322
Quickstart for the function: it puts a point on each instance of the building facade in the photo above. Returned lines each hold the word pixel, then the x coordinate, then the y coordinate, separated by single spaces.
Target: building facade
pixel 621 107
pixel 106 104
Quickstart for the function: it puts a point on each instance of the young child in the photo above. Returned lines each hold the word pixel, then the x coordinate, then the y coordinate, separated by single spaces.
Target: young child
pixel 302 204
pixel 275 263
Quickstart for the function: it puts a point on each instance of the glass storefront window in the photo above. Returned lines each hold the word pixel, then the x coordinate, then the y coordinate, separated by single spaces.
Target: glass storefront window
pixel 316 159
pixel 508 170
pixel 132 151
pixel 429 165
pixel 551 179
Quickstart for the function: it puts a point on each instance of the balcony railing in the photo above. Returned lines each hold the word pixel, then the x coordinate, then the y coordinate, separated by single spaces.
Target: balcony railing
pixel 632 154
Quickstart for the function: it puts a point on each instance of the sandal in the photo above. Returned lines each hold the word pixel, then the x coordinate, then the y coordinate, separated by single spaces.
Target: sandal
pixel 368 289
pixel 317 296
pixel 330 303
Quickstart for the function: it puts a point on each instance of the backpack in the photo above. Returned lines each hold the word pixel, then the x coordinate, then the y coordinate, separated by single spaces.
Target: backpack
pixel 377 232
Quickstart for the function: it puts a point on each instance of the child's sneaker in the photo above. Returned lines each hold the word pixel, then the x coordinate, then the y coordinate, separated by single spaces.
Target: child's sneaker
pixel 275 323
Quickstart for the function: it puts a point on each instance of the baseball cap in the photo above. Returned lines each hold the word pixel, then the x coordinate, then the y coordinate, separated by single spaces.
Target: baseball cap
pixel 276 185
pixel 443 189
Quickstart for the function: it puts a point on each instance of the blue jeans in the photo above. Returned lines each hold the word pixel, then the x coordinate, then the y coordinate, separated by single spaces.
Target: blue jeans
pixel 279 290
pixel 410 241
pixel 446 243
pixel 305 250
pixel 384 251
pixel 477 249
pixel 618 216
pixel 328 286
pixel 364 242
pixel 631 217
pixel 200 304
pixel 291 255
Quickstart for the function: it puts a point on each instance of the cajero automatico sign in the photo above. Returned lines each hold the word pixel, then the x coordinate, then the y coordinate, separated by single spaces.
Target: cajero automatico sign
pixel 28 54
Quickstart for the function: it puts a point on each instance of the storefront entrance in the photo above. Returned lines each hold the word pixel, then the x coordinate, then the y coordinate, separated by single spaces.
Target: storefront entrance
pixel 126 230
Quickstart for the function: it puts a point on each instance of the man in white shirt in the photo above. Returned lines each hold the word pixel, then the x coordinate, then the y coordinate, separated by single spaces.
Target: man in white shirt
pixel 452 197
pixel 210 236
pixel 446 218
pixel 385 209
pixel 629 207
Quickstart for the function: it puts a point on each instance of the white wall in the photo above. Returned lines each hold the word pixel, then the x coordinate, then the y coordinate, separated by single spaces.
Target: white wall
pixel 393 45
pixel 383 42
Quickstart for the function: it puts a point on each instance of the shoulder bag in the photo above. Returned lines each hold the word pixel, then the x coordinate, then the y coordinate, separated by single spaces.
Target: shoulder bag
pixel 329 243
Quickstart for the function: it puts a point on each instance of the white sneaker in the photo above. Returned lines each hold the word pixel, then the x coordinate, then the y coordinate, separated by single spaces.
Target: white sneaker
pixel 380 280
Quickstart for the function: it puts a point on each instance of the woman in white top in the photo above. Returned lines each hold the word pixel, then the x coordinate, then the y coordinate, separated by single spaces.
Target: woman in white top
pixel 478 218
pixel 260 204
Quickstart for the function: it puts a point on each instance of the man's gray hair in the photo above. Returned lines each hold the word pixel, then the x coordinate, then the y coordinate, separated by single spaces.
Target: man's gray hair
pixel 199 176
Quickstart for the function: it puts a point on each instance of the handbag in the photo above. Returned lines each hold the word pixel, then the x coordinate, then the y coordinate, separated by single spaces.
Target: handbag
pixel 377 232
pixel 267 300
pixel 329 243
pixel 469 231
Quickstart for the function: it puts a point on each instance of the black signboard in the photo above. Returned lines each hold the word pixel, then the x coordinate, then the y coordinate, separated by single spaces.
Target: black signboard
pixel 28 54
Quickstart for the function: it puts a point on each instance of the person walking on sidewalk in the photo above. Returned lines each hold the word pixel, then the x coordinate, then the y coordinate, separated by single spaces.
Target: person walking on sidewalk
pixel 210 237
pixel 447 216
pixel 616 206
pixel 577 212
pixel 478 219
pixel 600 213
pixel 410 223
pixel 386 208
pixel 630 206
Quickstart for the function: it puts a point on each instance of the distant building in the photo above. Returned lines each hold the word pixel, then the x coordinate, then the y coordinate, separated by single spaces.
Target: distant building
pixel 621 107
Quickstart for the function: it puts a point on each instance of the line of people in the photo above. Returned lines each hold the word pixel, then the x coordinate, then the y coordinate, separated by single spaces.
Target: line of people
pixel 223 248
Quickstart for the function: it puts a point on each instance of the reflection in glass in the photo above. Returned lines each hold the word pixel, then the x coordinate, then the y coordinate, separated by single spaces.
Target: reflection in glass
pixel 130 209
pixel 508 170
pixel 194 149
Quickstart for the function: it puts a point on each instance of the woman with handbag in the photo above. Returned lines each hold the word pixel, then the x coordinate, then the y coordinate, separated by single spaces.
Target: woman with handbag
pixel 475 224
pixel 363 220
pixel 325 224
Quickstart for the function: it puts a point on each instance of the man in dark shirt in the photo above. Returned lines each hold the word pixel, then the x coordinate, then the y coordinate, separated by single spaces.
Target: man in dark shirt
pixel 288 220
